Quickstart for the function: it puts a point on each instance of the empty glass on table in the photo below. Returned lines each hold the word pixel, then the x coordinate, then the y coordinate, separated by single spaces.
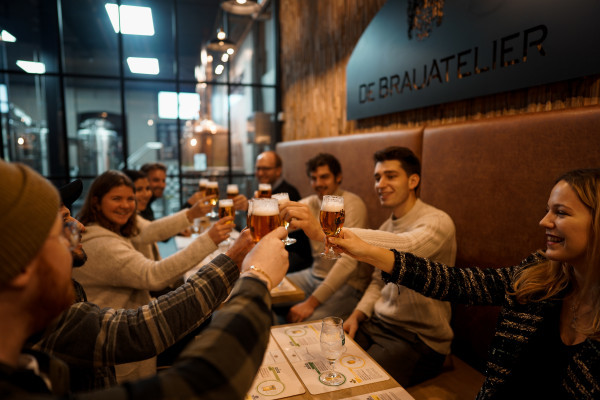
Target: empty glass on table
pixel 332 346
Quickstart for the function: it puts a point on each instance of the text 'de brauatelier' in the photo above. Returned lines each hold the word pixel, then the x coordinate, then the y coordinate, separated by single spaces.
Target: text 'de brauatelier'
pixel 504 52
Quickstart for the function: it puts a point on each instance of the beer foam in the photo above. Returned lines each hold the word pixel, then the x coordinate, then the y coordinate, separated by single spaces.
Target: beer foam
pixel 281 197
pixel 265 208
pixel 264 186
pixel 333 205
pixel 212 184
pixel 226 203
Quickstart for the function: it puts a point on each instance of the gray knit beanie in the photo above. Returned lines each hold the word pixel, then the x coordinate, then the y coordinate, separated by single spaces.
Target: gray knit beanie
pixel 28 209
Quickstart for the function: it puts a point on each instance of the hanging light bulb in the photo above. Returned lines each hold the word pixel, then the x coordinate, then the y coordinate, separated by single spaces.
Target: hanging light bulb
pixel 221 43
pixel 241 7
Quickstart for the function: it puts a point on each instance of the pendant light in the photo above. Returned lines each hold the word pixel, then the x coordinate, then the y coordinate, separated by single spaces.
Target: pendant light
pixel 241 7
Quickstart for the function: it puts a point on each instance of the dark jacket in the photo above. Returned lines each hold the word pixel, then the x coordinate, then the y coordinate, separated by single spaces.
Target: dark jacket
pixel 517 323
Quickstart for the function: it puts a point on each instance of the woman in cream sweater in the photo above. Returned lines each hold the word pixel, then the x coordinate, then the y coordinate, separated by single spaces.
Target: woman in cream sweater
pixel 116 274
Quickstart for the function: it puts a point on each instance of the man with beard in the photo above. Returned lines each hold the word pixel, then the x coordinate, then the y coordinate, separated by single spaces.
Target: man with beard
pixel 92 340
pixel 35 287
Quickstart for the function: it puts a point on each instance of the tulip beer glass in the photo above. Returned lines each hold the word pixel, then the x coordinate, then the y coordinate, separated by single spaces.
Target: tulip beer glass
pixel 283 198
pixel 212 188
pixel 332 217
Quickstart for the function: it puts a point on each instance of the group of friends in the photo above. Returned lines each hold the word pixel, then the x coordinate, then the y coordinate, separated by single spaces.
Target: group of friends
pixel 98 334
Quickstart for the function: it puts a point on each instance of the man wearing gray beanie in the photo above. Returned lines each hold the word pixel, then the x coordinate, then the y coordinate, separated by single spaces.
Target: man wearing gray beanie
pixel 35 286
pixel 92 340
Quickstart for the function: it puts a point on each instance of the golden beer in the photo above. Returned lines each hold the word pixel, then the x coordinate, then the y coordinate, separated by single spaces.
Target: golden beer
pixel 202 186
pixel 264 190
pixel 331 217
pixel 263 217
pixel 212 188
pixel 332 221
pixel 261 225
pixel 226 209
pixel 232 191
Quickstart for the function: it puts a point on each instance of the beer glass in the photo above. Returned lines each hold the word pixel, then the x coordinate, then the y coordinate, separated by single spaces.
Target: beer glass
pixel 283 198
pixel 331 217
pixel 212 188
pixel 264 190
pixel 226 210
pixel 263 217
pixel 202 186
pixel 232 190
pixel 332 346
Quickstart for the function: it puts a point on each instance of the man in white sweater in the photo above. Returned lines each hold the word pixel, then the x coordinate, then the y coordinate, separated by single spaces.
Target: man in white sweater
pixel 333 287
pixel 405 332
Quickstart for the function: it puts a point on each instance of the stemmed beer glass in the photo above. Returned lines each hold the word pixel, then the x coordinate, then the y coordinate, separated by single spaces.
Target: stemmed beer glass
pixel 332 218
pixel 226 210
pixel 332 345
pixel 212 188
pixel 283 198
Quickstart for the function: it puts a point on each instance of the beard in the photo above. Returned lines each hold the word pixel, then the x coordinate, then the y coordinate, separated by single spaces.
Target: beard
pixel 79 257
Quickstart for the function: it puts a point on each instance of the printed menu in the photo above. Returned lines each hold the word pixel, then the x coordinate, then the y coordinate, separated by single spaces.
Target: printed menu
pixel 275 378
pixel 397 393
pixel 301 346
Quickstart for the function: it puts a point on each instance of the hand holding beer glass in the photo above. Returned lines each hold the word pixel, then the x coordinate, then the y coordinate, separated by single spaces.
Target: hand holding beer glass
pixel 332 218
pixel 282 199
pixel 263 217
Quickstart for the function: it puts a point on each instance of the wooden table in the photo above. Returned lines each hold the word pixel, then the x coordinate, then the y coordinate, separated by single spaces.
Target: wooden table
pixel 346 392
pixel 287 292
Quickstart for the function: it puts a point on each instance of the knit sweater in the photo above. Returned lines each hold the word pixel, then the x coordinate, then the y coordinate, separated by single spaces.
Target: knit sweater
pixel 517 323
pixel 345 270
pixel 427 232
pixel 157 231
pixel 116 275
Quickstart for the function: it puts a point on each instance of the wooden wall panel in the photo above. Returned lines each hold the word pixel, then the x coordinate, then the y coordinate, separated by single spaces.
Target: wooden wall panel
pixel 317 38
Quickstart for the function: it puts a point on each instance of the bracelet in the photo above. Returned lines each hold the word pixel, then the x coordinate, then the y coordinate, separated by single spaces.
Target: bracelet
pixel 263 273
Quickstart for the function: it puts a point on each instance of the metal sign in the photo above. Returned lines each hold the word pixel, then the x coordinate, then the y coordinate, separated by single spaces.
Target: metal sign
pixel 416 53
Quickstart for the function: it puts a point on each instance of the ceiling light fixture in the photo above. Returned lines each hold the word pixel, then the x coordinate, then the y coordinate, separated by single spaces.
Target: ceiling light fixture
pixel 32 67
pixel 221 43
pixel 134 20
pixel 5 36
pixel 241 7
pixel 140 65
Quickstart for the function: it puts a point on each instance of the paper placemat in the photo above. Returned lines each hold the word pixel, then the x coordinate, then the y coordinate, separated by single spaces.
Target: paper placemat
pixel 301 346
pixel 397 393
pixel 275 378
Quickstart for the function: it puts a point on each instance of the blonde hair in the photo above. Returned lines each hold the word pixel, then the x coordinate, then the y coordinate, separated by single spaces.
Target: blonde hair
pixel 547 280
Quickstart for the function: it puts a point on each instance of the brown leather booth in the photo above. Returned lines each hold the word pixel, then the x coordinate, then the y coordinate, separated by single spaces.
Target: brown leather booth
pixel 491 176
